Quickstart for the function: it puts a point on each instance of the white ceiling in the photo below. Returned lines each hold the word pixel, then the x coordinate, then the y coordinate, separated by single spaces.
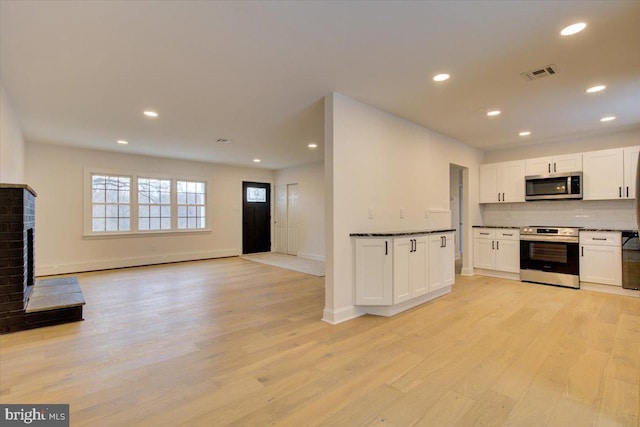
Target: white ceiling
pixel 81 73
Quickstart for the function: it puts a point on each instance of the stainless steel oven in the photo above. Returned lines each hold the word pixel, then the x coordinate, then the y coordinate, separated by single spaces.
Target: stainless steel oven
pixel 550 255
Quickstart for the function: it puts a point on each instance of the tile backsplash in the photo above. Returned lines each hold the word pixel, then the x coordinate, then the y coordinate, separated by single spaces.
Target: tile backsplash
pixel 614 214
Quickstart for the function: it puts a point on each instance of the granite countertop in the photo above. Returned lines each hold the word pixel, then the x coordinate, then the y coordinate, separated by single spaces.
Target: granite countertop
pixel 608 229
pixel 496 226
pixel 400 233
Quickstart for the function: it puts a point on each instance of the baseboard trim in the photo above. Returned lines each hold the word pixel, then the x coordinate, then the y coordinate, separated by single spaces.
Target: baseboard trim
pixel 340 315
pixel 499 274
pixel 467 272
pixel 314 257
pixel 392 310
pixel 51 270
pixel 609 289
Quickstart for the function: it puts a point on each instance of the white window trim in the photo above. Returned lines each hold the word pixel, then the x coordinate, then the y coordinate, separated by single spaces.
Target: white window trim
pixel 133 203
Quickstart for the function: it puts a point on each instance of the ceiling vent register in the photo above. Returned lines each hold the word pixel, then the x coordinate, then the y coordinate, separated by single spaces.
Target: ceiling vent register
pixel 539 73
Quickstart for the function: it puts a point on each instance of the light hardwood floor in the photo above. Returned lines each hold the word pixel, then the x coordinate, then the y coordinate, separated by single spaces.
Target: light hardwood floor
pixel 235 342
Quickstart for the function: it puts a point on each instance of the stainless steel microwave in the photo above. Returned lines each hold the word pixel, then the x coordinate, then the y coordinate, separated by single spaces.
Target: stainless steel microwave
pixel 554 186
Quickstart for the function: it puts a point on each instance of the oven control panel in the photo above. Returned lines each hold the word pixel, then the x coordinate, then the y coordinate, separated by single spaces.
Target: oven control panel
pixel 550 231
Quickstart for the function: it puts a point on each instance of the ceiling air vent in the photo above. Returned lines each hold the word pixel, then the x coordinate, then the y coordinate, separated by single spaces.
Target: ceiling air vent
pixel 539 73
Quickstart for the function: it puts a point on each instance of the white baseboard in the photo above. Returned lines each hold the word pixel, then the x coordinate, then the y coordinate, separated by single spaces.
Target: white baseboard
pixel 499 274
pixel 314 257
pixel 609 289
pixel 50 270
pixel 340 315
pixel 392 310
pixel 467 272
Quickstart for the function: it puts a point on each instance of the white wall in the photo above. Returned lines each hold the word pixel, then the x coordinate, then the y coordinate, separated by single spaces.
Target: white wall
pixel 454 203
pixel 377 160
pixel 566 146
pixel 12 147
pixel 56 173
pixel 310 180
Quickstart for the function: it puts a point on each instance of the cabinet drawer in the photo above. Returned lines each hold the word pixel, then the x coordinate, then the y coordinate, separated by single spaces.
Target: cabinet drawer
pixel 508 234
pixel 601 238
pixel 484 233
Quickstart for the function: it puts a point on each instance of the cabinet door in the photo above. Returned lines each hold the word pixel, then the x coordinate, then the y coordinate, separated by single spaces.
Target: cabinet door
pixel 511 181
pixel 484 254
pixel 448 260
pixel 601 264
pixel 488 184
pixel 402 254
pixel 373 272
pixel 630 171
pixel 603 174
pixel 441 261
pixel 419 267
pixel 567 163
pixel 539 166
pixel 508 255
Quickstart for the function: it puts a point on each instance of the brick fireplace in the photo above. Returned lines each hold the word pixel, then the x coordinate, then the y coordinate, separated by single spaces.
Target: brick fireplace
pixel 17 222
pixel 58 300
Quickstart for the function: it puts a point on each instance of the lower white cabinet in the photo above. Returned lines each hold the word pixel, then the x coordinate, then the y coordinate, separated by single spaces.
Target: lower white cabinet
pixel 401 270
pixel 496 249
pixel 441 261
pixel 601 257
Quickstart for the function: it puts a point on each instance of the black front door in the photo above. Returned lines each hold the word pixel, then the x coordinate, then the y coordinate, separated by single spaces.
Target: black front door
pixel 256 217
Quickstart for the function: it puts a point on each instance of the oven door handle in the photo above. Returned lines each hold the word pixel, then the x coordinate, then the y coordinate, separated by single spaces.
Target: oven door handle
pixel 549 239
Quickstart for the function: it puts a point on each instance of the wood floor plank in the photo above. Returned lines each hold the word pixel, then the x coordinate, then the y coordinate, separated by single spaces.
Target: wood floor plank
pixel 232 342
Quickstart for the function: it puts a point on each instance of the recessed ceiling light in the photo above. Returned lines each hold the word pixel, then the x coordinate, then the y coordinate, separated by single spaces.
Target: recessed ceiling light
pixel 595 89
pixel 573 29
pixel 607 118
pixel 312 145
pixel 493 113
pixel 122 142
pixel 256 160
pixel 441 77
pixel 150 113
pixel 525 133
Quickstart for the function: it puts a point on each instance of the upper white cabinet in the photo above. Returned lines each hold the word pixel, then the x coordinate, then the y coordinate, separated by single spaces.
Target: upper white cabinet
pixel 610 174
pixel 630 171
pixel 556 164
pixel 502 182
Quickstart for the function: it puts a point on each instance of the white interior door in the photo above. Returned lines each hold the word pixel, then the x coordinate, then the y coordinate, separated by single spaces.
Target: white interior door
pixel 293 224
pixel 281 219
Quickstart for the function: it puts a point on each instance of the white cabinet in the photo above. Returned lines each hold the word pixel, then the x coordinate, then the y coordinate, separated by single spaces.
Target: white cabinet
pixel 394 274
pixel 441 261
pixel 410 268
pixel 556 164
pixel 496 249
pixel 601 257
pixel 374 271
pixel 610 174
pixel 502 182
pixel 630 171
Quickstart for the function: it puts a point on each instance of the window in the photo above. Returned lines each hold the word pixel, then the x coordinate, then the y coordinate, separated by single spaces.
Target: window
pixel 255 194
pixel 110 203
pixel 154 204
pixel 191 197
pixel 123 203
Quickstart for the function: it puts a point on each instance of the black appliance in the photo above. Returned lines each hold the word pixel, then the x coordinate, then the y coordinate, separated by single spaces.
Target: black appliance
pixel 554 186
pixel 630 260
pixel 550 255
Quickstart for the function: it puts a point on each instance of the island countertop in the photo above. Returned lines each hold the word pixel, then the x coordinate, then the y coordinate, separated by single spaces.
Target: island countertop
pixel 400 233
